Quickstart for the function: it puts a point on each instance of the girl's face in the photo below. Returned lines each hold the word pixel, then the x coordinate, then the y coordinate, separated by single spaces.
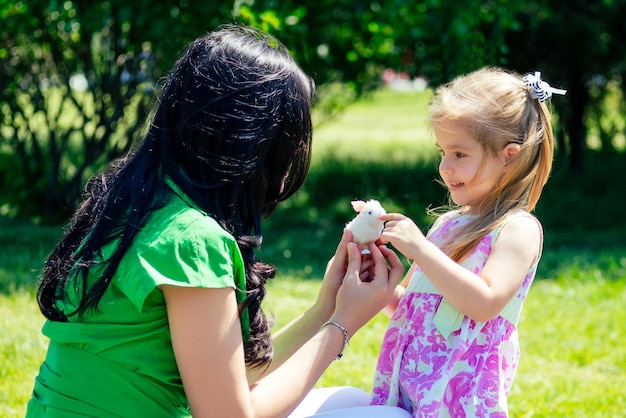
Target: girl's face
pixel 468 171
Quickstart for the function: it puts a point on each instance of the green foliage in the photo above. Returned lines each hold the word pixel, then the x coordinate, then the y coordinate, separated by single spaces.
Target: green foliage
pixel 22 349
pixel 590 200
pixel 76 79
pixel 354 40
pixel 54 135
pixel 575 44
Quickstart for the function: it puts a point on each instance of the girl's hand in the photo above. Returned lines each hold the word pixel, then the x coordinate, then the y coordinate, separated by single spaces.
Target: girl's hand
pixel 333 277
pixel 402 233
pixel 359 300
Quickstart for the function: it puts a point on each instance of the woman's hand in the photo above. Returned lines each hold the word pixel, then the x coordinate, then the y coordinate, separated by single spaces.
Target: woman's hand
pixel 290 338
pixel 333 277
pixel 358 300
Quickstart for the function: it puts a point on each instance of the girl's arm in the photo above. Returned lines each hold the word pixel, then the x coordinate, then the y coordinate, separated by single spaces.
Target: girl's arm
pixel 480 297
pixel 206 337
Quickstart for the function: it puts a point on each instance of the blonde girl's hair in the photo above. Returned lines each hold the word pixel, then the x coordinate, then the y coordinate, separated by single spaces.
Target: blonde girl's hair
pixel 495 106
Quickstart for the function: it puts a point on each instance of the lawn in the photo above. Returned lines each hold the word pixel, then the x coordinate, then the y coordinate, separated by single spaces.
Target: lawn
pixel 572 332
pixel 572 328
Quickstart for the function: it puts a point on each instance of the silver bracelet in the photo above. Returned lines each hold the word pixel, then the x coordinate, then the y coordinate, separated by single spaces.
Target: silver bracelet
pixel 346 338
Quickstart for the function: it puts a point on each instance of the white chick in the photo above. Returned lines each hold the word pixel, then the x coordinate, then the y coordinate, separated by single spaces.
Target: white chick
pixel 366 227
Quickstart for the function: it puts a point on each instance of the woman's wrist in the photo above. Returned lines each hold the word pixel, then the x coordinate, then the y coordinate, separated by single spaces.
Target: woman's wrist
pixel 344 331
pixel 321 312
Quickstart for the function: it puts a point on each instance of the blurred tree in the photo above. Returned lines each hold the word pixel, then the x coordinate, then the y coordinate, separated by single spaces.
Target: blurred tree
pixel 353 40
pixel 76 79
pixel 578 45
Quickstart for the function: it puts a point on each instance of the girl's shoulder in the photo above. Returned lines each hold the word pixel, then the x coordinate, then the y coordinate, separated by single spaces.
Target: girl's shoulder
pixel 522 233
pixel 519 219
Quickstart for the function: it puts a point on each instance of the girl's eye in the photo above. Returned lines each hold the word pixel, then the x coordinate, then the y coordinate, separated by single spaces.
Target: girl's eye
pixel 457 154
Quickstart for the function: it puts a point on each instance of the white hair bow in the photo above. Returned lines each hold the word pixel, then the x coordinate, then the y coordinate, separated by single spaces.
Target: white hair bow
pixel 540 89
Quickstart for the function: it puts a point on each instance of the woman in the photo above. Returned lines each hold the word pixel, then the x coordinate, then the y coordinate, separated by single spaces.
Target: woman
pixel 153 295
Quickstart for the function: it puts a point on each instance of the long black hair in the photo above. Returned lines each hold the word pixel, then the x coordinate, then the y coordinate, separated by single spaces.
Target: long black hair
pixel 233 130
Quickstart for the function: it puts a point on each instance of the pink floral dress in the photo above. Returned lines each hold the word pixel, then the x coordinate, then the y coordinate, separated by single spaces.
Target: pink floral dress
pixel 436 362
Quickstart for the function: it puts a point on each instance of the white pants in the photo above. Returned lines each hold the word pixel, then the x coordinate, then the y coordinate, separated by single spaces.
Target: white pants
pixel 343 402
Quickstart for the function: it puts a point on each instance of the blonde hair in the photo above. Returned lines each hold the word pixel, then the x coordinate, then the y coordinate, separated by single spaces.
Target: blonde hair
pixel 495 107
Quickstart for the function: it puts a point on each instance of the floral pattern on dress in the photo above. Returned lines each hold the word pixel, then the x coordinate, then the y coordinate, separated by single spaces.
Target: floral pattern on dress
pixel 468 374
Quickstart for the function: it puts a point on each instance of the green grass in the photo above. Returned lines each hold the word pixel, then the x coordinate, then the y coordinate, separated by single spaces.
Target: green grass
pixel 383 125
pixel 572 329
pixel 573 356
pixel 574 360
pixel 22 349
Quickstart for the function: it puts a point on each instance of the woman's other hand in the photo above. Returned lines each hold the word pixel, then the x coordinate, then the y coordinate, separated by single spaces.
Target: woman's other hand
pixel 333 277
pixel 360 298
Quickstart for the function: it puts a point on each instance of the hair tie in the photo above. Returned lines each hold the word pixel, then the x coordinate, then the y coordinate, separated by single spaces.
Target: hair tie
pixel 540 89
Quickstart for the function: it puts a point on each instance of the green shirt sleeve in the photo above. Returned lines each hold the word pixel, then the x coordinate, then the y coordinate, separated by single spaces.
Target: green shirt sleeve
pixel 182 246
pixel 186 252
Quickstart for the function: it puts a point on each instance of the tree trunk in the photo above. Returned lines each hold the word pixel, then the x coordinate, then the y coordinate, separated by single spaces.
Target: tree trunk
pixel 575 124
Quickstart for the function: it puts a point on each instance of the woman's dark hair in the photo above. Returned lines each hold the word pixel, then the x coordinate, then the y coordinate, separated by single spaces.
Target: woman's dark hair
pixel 233 130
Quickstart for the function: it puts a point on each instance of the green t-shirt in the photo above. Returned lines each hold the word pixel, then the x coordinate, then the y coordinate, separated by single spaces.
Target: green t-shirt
pixel 118 360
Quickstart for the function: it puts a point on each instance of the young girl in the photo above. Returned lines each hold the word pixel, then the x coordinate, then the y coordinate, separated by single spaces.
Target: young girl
pixel 451 348
pixel 153 295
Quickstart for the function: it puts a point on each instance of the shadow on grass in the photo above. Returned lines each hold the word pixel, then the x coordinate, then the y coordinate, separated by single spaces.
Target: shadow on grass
pixel 23 251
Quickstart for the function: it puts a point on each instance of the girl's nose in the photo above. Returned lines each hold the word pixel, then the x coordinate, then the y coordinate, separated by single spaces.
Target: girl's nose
pixel 444 166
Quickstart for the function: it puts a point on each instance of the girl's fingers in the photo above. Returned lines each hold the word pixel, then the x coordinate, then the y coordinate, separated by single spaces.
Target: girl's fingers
pixel 391 217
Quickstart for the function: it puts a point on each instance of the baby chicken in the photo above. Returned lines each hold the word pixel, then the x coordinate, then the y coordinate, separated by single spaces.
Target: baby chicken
pixel 366 227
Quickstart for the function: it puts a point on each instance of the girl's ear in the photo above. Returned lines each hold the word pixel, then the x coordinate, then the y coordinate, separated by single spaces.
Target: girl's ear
pixel 510 152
